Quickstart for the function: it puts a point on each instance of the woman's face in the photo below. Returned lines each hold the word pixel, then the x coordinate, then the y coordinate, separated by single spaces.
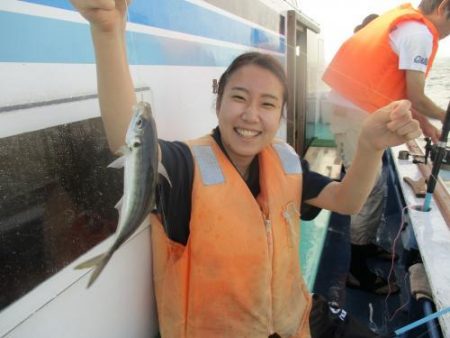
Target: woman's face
pixel 250 111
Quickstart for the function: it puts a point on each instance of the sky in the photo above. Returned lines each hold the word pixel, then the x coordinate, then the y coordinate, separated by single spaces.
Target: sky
pixel 338 18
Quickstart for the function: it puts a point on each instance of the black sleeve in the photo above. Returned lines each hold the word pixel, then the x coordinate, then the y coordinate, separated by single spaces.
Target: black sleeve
pixel 313 183
pixel 173 201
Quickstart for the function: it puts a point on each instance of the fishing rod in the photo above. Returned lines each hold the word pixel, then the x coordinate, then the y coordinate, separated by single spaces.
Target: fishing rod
pixel 419 322
pixel 440 154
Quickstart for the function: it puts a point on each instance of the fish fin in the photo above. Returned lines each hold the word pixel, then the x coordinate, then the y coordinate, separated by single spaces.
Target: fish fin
pixel 98 263
pixel 118 163
pixel 162 171
pixel 90 262
pixel 119 203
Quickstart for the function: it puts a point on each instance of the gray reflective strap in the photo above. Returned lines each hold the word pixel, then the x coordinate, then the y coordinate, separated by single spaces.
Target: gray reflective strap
pixel 209 166
pixel 289 158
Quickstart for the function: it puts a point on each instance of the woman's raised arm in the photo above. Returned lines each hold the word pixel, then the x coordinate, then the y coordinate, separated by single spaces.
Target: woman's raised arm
pixel 387 127
pixel 107 19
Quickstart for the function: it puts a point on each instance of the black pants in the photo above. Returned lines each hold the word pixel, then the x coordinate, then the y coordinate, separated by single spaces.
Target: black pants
pixel 328 321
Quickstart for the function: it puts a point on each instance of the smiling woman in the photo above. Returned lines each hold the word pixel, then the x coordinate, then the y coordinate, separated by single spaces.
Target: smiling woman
pixel 250 102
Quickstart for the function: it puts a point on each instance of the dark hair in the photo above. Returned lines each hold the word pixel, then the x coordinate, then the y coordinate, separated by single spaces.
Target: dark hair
pixel 253 58
pixel 428 6
pixel 365 22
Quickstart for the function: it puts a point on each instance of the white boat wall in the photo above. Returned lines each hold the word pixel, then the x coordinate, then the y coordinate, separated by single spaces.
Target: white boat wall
pixel 56 195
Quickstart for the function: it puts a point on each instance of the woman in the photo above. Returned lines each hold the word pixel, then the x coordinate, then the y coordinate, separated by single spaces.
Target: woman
pixel 225 237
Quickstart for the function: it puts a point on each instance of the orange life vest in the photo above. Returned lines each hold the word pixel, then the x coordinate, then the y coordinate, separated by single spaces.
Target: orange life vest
pixel 365 69
pixel 239 273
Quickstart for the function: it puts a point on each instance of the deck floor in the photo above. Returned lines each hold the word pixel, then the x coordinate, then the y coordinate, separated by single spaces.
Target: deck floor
pixel 389 313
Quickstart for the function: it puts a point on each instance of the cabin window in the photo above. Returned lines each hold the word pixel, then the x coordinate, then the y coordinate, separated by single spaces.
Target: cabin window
pixel 57 202
pixel 317 131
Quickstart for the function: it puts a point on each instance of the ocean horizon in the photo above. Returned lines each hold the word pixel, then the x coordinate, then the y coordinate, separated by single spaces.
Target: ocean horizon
pixel 437 86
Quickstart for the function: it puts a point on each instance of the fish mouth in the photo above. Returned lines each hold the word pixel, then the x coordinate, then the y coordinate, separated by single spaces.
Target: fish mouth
pixel 134 142
pixel 247 133
pixel 143 108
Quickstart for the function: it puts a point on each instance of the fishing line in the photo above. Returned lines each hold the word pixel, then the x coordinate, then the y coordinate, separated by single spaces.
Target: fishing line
pixel 394 245
pixel 391 270
pixel 405 282
pixel 422 321
pixel 133 45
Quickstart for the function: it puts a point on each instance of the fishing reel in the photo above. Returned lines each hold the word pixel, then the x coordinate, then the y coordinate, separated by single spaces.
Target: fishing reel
pixel 418 158
pixel 445 161
pixel 430 153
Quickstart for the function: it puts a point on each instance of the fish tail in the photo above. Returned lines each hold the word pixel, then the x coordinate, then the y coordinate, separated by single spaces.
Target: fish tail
pixel 98 263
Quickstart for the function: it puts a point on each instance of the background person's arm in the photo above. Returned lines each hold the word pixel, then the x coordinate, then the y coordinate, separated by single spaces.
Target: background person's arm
pixel 415 92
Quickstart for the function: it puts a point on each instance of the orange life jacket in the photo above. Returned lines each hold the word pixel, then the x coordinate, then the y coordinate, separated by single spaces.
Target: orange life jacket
pixel 365 69
pixel 239 273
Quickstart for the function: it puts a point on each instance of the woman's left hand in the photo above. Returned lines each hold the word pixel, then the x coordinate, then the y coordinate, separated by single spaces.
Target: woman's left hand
pixel 389 126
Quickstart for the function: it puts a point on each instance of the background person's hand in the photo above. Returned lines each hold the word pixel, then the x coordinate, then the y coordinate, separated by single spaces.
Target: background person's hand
pixel 427 128
pixel 103 15
pixel 389 126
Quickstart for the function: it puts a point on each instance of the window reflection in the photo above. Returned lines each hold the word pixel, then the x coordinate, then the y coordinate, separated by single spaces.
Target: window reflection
pixel 57 200
pixel 317 131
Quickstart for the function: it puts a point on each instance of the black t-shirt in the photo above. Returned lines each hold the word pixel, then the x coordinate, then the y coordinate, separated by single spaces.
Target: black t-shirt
pixel 174 202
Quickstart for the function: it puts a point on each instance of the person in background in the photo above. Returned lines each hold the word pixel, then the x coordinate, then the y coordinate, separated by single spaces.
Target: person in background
pixel 365 22
pixel 225 253
pixel 333 272
pixel 387 60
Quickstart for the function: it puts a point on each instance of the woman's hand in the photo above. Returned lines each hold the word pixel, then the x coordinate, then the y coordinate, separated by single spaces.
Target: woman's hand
pixel 389 126
pixel 103 15
pixel 115 86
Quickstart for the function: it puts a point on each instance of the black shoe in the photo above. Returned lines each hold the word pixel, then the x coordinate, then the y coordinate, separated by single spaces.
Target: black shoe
pixel 377 251
pixel 379 286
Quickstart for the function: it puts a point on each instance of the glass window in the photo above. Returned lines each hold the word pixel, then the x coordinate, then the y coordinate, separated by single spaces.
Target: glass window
pixel 57 201
pixel 317 130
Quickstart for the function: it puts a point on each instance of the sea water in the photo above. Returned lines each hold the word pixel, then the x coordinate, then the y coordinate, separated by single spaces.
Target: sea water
pixel 437 88
pixel 437 85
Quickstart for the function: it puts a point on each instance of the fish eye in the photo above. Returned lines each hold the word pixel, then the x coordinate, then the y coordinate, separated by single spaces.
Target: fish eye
pixel 136 144
pixel 139 123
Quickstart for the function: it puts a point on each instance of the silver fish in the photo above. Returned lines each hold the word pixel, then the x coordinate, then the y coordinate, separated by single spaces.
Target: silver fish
pixel 141 167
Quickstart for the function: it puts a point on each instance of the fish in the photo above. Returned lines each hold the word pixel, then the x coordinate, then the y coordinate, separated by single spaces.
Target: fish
pixel 142 167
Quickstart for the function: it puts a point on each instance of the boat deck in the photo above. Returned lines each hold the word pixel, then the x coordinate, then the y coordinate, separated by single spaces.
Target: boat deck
pixel 383 314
